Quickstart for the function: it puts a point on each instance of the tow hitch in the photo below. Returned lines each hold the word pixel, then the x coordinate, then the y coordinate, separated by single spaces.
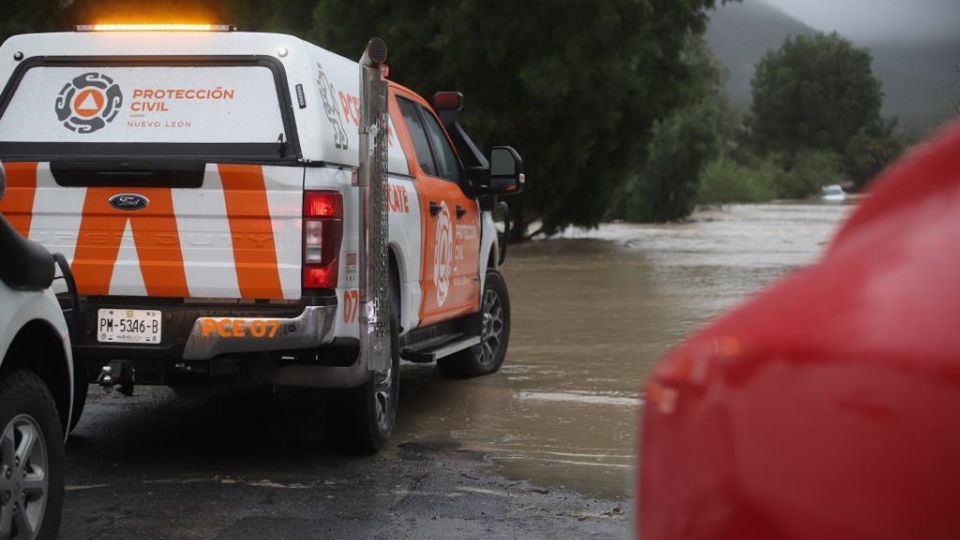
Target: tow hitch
pixel 117 373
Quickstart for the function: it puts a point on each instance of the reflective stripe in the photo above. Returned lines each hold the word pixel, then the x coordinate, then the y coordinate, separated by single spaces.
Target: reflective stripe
pixel 155 235
pixel 17 205
pixel 225 240
pixel 251 230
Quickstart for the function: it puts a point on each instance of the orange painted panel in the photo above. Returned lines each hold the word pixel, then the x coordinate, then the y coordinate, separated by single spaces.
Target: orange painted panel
pixel 17 205
pixel 251 229
pixel 155 235
pixel 450 257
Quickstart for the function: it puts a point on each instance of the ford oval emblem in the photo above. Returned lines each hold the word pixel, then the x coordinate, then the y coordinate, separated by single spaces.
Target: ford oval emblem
pixel 129 201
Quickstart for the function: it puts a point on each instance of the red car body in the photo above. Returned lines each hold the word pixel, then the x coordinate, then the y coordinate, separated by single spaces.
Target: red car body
pixel 829 405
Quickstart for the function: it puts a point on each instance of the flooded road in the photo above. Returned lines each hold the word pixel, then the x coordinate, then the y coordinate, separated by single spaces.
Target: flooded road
pixel 593 311
pixel 543 449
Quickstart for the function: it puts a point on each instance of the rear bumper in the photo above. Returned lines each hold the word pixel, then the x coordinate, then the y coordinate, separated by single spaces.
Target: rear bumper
pixel 215 339
pixel 214 336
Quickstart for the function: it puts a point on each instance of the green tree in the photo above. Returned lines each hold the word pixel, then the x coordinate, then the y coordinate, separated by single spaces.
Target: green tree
pixel 680 149
pixel 681 145
pixel 727 181
pixel 805 173
pixel 22 16
pixel 871 150
pixel 575 86
pixel 814 93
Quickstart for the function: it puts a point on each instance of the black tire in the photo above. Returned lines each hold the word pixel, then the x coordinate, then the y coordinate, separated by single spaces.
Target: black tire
pixel 487 357
pixel 362 418
pixel 26 405
pixel 80 390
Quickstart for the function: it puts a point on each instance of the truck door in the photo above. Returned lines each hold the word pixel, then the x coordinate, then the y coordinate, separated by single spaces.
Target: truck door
pixel 450 277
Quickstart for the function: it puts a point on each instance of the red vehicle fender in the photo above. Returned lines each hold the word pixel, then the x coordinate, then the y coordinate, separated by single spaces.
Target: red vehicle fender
pixel 829 405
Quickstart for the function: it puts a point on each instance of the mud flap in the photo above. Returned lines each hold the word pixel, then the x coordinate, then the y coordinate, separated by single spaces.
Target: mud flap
pixel 374 227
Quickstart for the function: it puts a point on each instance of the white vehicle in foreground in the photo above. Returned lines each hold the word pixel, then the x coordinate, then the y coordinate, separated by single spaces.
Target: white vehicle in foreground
pixel 36 388
pixel 833 193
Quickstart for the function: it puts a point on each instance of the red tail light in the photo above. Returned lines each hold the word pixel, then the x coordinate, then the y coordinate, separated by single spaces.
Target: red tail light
pixel 322 234
pixel 323 204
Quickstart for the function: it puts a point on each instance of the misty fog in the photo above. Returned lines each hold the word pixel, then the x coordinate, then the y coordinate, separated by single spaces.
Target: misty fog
pixel 875 20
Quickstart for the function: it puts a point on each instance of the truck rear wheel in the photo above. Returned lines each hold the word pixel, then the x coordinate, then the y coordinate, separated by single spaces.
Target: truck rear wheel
pixel 362 418
pixel 31 458
pixel 487 357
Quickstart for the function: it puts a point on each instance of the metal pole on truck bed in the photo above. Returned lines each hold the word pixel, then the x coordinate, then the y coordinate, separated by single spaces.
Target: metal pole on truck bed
pixel 374 227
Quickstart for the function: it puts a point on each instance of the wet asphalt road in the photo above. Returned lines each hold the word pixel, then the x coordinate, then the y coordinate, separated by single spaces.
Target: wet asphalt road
pixel 243 463
pixel 545 448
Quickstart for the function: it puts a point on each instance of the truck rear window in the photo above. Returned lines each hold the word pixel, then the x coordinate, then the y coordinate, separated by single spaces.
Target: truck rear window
pixel 143 110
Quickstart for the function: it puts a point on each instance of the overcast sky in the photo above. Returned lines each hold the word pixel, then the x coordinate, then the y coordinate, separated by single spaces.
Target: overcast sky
pixel 870 19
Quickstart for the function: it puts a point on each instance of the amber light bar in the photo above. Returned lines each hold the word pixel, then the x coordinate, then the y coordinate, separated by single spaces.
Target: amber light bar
pixel 162 27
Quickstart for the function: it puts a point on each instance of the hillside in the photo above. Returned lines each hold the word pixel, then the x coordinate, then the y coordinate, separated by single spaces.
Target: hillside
pixel 920 79
pixel 740 34
pixel 921 83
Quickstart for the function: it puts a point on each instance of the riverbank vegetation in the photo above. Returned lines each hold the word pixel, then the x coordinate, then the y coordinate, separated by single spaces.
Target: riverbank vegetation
pixel 815 120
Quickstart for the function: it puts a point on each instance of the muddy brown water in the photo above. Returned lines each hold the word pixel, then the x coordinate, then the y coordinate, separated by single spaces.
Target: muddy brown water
pixel 593 311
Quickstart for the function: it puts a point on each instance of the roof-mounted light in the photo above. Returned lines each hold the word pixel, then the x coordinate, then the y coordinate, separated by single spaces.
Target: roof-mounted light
pixel 448 101
pixel 160 27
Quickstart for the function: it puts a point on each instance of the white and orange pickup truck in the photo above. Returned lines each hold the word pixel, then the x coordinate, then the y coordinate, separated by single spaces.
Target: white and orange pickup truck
pixel 203 185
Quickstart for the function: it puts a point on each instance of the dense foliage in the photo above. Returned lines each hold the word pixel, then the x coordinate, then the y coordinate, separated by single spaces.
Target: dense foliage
pixel 681 146
pixel 815 121
pixel 616 106
pixel 575 86
pixel 776 176
pixel 808 171
pixel 870 150
pixel 725 180
pixel 814 93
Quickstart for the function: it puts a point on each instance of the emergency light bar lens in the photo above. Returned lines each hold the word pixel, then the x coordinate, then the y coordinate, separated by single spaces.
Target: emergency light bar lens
pixel 162 27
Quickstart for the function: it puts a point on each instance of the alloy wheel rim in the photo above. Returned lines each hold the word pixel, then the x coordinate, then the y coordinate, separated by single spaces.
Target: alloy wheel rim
pixel 492 335
pixel 382 395
pixel 24 478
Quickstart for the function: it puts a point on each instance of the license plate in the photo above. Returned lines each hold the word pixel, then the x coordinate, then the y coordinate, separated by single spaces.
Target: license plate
pixel 128 326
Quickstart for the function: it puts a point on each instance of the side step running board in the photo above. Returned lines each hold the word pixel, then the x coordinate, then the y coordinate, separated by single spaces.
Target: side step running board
pixel 434 349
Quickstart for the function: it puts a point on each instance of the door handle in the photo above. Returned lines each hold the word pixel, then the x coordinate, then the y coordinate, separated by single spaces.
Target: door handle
pixel 461 211
pixel 434 208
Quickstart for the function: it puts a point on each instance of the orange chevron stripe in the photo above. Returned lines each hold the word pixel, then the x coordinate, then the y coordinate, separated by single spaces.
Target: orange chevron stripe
pixel 251 231
pixel 155 235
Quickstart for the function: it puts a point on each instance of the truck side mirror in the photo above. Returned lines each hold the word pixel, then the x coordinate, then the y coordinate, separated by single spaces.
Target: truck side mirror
pixel 506 171
pixel 3 182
